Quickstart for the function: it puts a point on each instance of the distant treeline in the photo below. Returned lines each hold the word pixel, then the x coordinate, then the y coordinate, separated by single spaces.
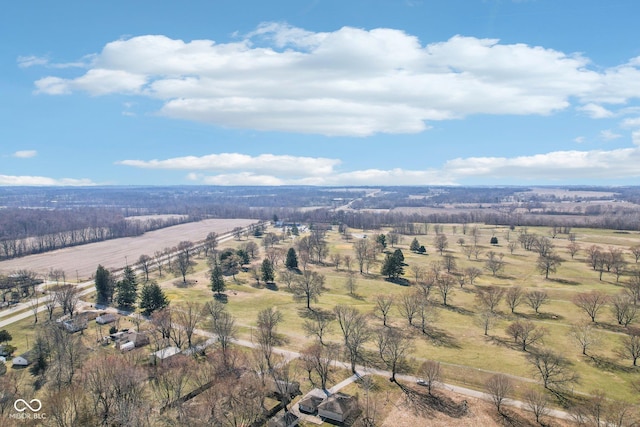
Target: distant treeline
pixel 410 223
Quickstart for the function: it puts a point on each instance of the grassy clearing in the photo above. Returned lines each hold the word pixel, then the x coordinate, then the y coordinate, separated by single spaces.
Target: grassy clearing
pixel 467 355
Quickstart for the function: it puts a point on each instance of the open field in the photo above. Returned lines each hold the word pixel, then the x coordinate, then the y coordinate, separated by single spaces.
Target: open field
pixel 468 357
pixel 455 339
pixel 113 253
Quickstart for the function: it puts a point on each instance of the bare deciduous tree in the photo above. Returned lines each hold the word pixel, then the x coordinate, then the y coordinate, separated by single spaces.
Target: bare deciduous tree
pixel 536 299
pixel 623 309
pixel 499 386
pixel 514 297
pixel 585 336
pixel 383 306
pixel 552 369
pixel 393 347
pixel 489 296
pixel 431 374
pixel 318 325
pixel 631 345
pixel 591 302
pixel 537 402
pixel 266 335
pixel 525 333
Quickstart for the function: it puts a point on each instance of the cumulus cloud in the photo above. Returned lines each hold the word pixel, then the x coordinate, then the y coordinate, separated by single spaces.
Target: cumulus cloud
pixel 609 135
pixel 596 111
pixel 269 169
pixel 25 154
pixel 12 180
pixel 351 81
pixel 264 163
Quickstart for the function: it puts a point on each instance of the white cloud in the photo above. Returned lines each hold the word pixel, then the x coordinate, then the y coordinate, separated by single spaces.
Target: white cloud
pixel 609 135
pixel 579 139
pixel 265 163
pixel 11 180
pixel 631 122
pixel 25 154
pixel 346 82
pixel 31 61
pixel 596 111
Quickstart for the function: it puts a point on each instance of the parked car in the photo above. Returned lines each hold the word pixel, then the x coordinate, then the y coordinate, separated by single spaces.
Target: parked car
pixel 420 381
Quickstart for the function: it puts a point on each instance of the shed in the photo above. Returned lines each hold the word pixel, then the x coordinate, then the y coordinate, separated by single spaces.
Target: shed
pixel 128 346
pixel 22 360
pixel 106 318
pixel 139 339
pixel 164 354
pixel 337 407
pixel 309 403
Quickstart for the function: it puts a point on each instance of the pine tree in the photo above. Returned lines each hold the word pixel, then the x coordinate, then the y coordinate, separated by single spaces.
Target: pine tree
pixel 217 281
pixel 152 298
pixel 292 259
pixel 127 289
pixel 267 271
pixel 104 286
pixel 415 245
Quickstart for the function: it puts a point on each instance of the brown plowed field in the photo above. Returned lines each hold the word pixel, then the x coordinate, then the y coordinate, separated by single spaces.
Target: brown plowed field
pixel 112 253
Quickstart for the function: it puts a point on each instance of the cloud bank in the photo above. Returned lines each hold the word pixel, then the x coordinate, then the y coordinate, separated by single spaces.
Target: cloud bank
pixel 349 82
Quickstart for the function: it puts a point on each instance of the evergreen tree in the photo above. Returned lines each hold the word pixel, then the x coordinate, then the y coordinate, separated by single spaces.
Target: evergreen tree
pixel 399 256
pixel 415 245
pixel 217 281
pixel 292 259
pixel 104 286
pixel 392 266
pixel 244 256
pixel 422 249
pixel 267 271
pixel 152 298
pixel 294 230
pixel 127 289
pixel 381 239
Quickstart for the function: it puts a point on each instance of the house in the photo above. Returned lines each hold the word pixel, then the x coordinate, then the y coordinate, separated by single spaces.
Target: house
pixel 283 419
pixel 74 325
pixel 138 339
pixel 337 407
pixel 309 403
pixel 164 354
pixel 106 318
pixel 23 360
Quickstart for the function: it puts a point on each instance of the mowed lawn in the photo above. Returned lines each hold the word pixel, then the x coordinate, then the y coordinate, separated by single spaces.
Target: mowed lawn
pixel 456 339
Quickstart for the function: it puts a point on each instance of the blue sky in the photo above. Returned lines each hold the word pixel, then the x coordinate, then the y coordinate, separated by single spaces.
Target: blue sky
pixel 324 92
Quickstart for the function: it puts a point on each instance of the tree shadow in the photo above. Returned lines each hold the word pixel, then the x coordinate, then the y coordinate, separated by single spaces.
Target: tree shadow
pixel 441 338
pixel 606 364
pixel 184 283
pixel 272 286
pixel 424 404
pixel 512 419
pixel 314 313
pixel 540 316
pixel 563 281
pixel 223 298
pixel 500 341
pixel 459 310
pixel 399 281
pixel 357 297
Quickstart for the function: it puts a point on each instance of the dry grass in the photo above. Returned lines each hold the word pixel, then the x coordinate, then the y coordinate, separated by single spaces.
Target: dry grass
pixel 113 253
